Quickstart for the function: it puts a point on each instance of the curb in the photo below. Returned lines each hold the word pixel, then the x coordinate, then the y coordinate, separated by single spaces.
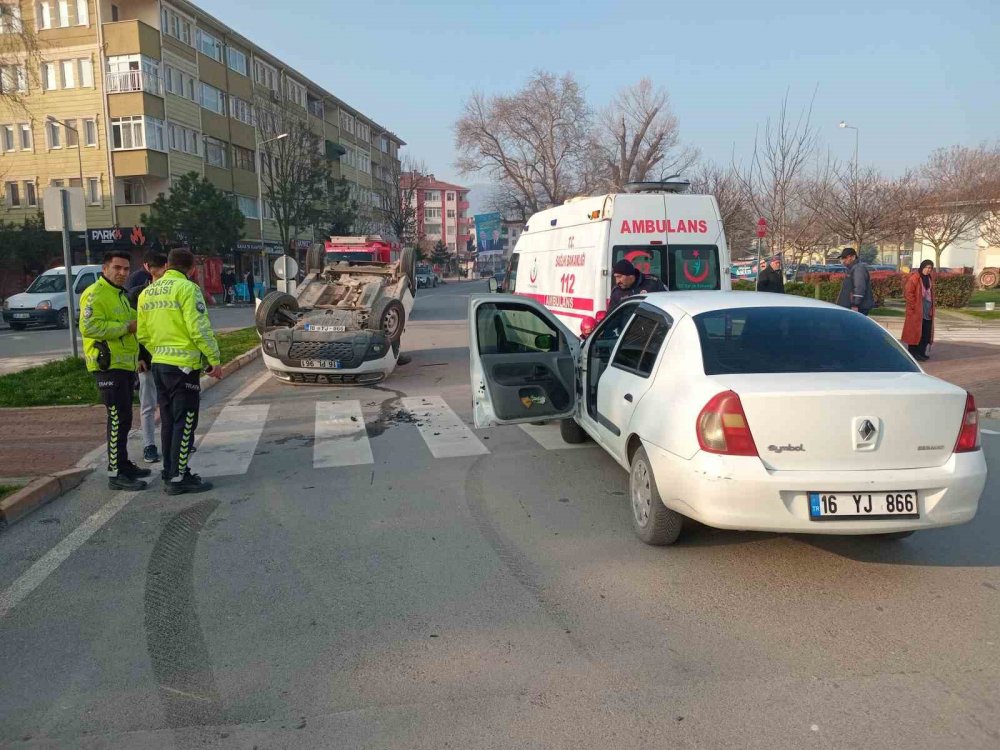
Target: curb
pixel 39 492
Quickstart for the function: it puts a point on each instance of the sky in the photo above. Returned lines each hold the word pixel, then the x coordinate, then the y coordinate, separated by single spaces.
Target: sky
pixel 912 75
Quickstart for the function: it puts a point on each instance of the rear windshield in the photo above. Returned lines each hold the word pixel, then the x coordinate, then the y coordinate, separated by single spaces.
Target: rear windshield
pixel 350 257
pixel 796 339
pixel 48 284
pixel 679 267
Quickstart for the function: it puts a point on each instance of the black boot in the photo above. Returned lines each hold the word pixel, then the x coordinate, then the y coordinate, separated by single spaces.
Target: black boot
pixel 132 471
pixel 125 482
pixel 189 483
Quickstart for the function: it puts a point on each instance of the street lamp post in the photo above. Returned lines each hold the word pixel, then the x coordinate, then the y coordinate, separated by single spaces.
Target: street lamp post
pixel 260 200
pixel 79 159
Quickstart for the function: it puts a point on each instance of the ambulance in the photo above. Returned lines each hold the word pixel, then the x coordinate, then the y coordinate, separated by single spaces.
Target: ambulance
pixel 564 257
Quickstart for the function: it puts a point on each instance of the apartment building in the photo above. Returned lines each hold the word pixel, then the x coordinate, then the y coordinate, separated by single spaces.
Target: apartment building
pixel 441 210
pixel 136 93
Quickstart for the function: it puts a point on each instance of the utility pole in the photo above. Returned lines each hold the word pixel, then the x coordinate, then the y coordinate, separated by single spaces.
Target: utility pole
pixel 79 161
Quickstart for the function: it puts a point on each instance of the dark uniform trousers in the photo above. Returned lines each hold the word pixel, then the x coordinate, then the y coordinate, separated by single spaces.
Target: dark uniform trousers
pixel 178 394
pixel 117 388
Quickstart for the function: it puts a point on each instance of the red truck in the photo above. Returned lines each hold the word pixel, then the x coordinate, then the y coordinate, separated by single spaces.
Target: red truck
pixel 370 248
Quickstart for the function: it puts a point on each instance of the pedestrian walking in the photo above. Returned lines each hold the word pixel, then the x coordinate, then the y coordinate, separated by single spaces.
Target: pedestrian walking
pixel 174 326
pixel 856 289
pixel 918 327
pixel 155 266
pixel 629 281
pixel 108 327
pixel 248 278
pixel 229 285
pixel 770 278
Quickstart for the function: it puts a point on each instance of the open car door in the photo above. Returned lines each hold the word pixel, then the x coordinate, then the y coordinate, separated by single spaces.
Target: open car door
pixel 522 361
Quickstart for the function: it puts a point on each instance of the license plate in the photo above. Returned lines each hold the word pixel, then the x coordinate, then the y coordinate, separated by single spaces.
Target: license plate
pixel 834 506
pixel 325 329
pixel 326 364
pixel 21 316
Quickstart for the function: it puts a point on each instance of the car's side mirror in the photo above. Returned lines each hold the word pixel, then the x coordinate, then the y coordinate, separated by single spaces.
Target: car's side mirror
pixel 494 284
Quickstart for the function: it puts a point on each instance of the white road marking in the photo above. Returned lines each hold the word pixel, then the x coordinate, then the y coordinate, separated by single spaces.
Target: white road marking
pixel 446 435
pixel 341 438
pixel 232 440
pixel 548 436
pixel 250 387
pixel 33 576
pixel 989 432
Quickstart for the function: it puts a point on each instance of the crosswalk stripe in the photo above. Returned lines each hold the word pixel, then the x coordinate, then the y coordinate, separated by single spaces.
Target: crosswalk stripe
pixel 548 436
pixel 341 439
pixel 446 435
pixel 231 442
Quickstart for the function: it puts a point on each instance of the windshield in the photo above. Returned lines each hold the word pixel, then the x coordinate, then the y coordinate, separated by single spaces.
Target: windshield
pixel 350 257
pixel 796 339
pixel 679 267
pixel 47 284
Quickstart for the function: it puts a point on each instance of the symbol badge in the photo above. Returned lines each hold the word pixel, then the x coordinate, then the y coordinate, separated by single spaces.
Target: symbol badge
pixel 866 433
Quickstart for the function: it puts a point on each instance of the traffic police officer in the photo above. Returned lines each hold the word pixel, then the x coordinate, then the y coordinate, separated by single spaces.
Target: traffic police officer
pixel 108 326
pixel 174 327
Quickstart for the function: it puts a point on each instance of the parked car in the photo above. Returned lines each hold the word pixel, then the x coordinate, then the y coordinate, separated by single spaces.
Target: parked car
pixel 45 301
pixel 426 278
pixel 759 412
pixel 342 326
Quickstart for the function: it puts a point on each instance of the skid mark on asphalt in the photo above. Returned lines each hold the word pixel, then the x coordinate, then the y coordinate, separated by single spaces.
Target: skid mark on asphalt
pixel 518 565
pixel 174 639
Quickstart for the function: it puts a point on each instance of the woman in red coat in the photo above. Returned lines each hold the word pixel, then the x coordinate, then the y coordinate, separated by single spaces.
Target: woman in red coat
pixel 918 328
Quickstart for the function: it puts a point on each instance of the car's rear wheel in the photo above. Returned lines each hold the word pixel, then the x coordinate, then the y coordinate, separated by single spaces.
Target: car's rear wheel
pixel 653 521
pixel 277 309
pixel 388 315
pixel 62 321
pixel 571 432
pixel 894 536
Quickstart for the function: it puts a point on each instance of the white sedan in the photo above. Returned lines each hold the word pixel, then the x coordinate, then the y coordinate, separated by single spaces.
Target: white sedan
pixel 742 411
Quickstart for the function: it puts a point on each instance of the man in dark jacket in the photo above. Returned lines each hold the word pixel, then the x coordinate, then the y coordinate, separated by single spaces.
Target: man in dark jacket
pixel 628 281
pixel 856 290
pixel 249 281
pixel 770 278
pixel 154 266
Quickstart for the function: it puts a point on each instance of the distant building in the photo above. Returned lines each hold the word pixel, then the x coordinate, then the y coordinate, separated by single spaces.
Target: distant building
pixel 441 211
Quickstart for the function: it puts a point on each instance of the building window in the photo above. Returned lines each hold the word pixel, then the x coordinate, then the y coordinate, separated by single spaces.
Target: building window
pixel 53 131
pixel 364 132
pixel 347 122
pixel 137 132
pixel 30 195
pixel 72 134
pixel 86 72
pixel 240 109
pixel 52 14
pixel 179 83
pixel 451 213
pixel 450 197
pixel 295 92
pixel 7 137
pixel 94 191
pixel 13 78
pixel 10 19
pixel 216 153
pixel 114 14
pixel 432 213
pixel 237 61
pixel 183 139
pixel 248 206
pixel 26 139
pixel 174 24
pixel 213 99
pixel 265 75
pixel 13 195
pixel 316 107
pixel 209 45
pixel 133 191
pixel 243 158
pixel 90 132
pixel 432 195
pixel 383 144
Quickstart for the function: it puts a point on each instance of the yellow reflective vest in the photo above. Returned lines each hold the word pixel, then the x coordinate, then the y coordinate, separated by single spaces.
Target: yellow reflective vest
pixel 105 313
pixel 174 324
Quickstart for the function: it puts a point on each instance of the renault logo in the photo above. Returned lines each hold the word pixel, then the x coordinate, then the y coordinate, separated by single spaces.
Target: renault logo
pixel 865 433
pixel 866 430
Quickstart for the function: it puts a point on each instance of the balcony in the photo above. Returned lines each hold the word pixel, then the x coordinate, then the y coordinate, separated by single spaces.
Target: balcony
pixel 463 205
pixel 131 38
pixel 131 81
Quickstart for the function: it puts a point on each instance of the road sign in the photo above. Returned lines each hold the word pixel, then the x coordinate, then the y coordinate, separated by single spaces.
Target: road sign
pixel 285 267
pixel 762 227
pixel 54 209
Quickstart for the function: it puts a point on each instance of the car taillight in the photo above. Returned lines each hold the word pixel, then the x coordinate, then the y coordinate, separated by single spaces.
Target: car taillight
pixel 722 427
pixel 601 315
pixel 968 436
pixel 587 327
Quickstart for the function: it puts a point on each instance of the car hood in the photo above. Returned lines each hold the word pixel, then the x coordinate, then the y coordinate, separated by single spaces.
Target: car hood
pixel 30 300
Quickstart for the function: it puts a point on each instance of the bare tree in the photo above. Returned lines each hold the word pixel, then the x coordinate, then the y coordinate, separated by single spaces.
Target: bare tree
pixel 534 140
pixel 774 180
pixel 406 178
pixel 737 217
pixel 637 138
pixel 19 58
pixel 956 192
pixel 294 169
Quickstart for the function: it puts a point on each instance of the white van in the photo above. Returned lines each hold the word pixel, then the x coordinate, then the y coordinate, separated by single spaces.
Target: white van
pixel 564 257
pixel 45 301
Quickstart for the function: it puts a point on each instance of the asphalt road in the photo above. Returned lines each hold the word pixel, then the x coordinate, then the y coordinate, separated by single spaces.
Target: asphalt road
pixel 498 599
pixel 38 345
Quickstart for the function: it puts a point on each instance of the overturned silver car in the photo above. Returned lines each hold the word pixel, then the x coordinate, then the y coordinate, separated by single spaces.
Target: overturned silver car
pixel 343 324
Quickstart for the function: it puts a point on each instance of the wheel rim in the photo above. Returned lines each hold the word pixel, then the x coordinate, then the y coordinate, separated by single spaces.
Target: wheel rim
pixel 390 321
pixel 642 492
pixel 63 318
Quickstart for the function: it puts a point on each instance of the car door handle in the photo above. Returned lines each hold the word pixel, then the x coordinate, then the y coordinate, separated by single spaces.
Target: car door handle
pixel 628 397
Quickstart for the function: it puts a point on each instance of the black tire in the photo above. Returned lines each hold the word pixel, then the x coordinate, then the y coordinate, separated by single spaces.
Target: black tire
pixel 62 320
pixel 388 315
pixel 653 522
pixel 18 326
pixel 894 536
pixel 408 266
pixel 315 258
pixel 571 432
pixel 275 310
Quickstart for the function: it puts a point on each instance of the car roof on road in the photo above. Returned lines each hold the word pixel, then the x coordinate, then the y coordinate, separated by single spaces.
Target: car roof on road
pixel 695 303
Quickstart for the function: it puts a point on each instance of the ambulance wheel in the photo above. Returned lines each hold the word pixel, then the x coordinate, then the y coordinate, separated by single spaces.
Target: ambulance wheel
pixel 315 258
pixel 408 266
pixel 571 432
pixel 389 316
pixel 275 310
pixel 653 522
